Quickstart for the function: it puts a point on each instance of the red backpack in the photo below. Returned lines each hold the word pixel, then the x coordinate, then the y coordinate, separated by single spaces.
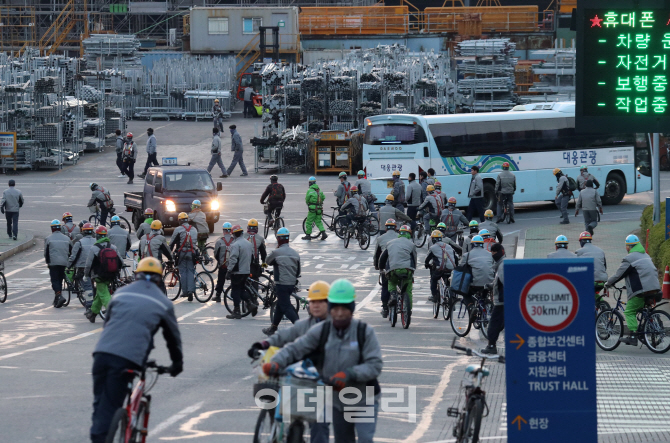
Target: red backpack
pixel 277 192
pixel 109 262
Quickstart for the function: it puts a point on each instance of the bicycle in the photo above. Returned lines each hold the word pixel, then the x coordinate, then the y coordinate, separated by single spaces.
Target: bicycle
pixel 272 220
pixel 94 219
pixel 131 423
pixel 477 314
pixel 206 258
pixel 504 199
pixel 401 304
pixel 359 230
pixel 601 305
pixel 333 222
pixel 72 285
pixel 419 237
pixel 470 416
pixel 446 298
pixel 204 284
pixel 3 283
pixel 654 323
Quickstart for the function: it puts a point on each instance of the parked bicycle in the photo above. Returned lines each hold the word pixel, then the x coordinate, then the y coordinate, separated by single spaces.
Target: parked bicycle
pixel 204 284
pixel 474 407
pixel 3 283
pixel 653 324
pixel 131 423
pixel 272 220
pixel 400 303
pixel 94 219
pixel 477 314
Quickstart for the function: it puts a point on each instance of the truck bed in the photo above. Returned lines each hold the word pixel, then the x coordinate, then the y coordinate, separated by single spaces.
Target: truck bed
pixel 133 200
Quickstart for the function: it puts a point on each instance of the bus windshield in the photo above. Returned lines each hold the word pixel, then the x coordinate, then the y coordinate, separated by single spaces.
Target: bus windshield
pixel 397 134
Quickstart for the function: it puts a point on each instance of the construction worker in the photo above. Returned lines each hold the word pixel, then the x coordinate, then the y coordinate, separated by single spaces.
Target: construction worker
pixel 458 249
pixel 482 265
pixel 343 191
pixel 589 250
pixel 154 244
pixel 217 116
pixel 100 200
pixel 641 281
pixel 432 207
pixel 239 266
pixel 401 257
pixel 216 154
pixel 365 188
pixel 561 251
pixel 387 212
pixel 151 152
pixel 198 220
pixel 57 248
pixel 441 260
pixel 390 227
pixel 398 191
pixel 413 198
pixel 249 95
pixel 145 226
pixel 119 236
pixel 237 148
pixel 119 153
pixel 259 252
pixel 476 195
pixel 452 218
pixel 183 243
pixel 221 253
pixel 497 321
pixel 563 195
pixel 286 263
pixel 356 207
pixel 491 226
pixel 314 200
pixel 584 176
pixel 474 230
pixel 78 258
pixel 102 266
pixel 505 189
pixel 68 227
pixel 589 201
pixel 441 195
pixel 129 157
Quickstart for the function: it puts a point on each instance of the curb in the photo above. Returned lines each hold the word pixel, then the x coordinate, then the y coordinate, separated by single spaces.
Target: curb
pixel 520 245
pixel 30 242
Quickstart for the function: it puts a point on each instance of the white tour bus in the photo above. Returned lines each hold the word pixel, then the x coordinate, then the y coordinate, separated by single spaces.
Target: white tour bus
pixel 533 139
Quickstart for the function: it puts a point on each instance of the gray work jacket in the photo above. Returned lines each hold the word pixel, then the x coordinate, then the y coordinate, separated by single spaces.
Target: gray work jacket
pixel 119 144
pixel 181 243
pixel 364 186
pixel 288 335
pixel 57 249
pixel 481 262
pixel 80 252
pixel 216 145
pixel 589 200
pixel 561 253
pixel 239 260
pixel 358 203
pixel 95 253
pixel 414 194
pixel 155 245
pixel 151 144
pixel 399 192
pixel 222 249
pixel 442 256
pixel 121 239
pixel 286 263
pixel 12 199
pixel 198 220
pixel 388 211
pixel 402 254
pixel 382 242
pixel 506 183
pixel 236 143
pixel 599 262
pixel 341 193
pixel 476 187
pixel 640 273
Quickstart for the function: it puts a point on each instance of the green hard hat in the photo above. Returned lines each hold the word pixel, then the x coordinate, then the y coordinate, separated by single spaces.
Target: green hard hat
pixel 342 291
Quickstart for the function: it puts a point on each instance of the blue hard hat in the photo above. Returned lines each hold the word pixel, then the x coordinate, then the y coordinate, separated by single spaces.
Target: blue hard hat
pixel 228 226
pixel 561 239
pixel 312 179
pixel 283 232
pixel 55 222
pixel 116 219
pixel 632 240
pixel 484 232
pixel 477 239
pixel 196 203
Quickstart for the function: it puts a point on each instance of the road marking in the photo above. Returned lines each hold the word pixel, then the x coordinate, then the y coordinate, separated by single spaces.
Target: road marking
pixel 27 313
pixel 188 427
pixel 32 265
pixel 160 427
pixel 40 348
pixel 28 294
pixel 373 293
pixel 193 312
pixel 435 399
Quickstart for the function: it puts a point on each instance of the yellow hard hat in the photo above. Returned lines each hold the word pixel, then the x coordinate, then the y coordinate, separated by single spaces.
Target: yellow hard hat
pixel 436 234
pixel 557 170
pixel 318 291
pixel 149 264
pixel 253 223
pixel 430 188
pixel 396 173
pixel 182 216
pixel 390 197
pixel 156 224
pixel 488 213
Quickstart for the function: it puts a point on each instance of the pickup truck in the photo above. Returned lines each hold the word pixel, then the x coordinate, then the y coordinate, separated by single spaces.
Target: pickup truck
pixel 169 190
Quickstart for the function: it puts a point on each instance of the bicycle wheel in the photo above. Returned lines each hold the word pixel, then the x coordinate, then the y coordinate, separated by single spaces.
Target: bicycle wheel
pixel 125 225
pixel 436 308
pixel 364 239
pixel 340 226
pixel 393 314
pixel 419 236
pixel 3 288
pixel 266 227
pixel 94 220
pixel 230 304
pixel 103 313
pixel 473 420
pixel 279 223
pixel 314 234
pixel 296 432
pixel 66 293
pixel 264 423
pixel 141 422
pixel 204 287
pixel 208 262
pixel 373 225
pixel 273 308
pixel 657 332
pixel 405 311
pixel 445 299
pixel 347 237
pixel 486 317
pixel 460 318
pixel 117 429
pixel 609 329
pixel 172 285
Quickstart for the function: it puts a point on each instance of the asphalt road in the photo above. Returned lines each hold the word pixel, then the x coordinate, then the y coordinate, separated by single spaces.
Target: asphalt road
pixel 45 354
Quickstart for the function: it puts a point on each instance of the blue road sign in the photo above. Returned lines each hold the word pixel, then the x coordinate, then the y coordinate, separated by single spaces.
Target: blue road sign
pixel 551 356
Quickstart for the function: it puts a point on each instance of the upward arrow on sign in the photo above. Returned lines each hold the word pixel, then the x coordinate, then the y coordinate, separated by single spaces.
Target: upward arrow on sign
pixel 518 420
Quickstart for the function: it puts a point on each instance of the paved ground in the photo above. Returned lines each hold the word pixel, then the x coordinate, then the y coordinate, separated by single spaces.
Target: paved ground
pixel 45 353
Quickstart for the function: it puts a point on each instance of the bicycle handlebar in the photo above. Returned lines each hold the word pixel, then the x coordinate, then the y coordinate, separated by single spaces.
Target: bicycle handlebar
pixel 151 364
pixel 470 352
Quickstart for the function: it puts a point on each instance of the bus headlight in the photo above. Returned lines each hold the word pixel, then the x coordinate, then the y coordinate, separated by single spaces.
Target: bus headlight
pixel 215 205
pixel 170 206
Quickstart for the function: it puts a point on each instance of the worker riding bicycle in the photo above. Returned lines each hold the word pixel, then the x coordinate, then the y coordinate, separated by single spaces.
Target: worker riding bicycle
pixel 399 259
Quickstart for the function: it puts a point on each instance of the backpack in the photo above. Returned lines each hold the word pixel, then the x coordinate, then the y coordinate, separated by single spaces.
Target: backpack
pixel 277 192
pixel 572 183
pixel 108 262
pixel 129 151
pixel 461 278
pixel 108 202
pixel 318 359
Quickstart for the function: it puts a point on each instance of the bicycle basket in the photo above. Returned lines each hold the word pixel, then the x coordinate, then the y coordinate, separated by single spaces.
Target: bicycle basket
pixel 303 398
pixel 266 208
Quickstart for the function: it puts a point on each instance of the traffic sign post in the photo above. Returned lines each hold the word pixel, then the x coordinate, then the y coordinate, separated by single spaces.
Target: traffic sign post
pixel 667 218
pixel 551 357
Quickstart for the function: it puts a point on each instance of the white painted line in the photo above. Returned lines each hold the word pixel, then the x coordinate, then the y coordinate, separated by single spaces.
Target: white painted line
pixel 193 312
pixel 40 348
pixel 369 297
pixel 160 427
pixel 28 313
pixel 32 265
pixel 26 295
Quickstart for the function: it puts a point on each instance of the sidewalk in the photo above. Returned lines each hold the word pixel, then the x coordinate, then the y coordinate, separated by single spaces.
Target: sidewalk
pixel 9 247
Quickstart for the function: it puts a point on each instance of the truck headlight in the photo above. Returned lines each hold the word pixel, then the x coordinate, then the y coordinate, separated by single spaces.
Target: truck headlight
pixel 170 206
pixel 215 205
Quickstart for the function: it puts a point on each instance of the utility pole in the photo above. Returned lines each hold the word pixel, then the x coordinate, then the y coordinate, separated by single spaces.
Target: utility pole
pixel 656 177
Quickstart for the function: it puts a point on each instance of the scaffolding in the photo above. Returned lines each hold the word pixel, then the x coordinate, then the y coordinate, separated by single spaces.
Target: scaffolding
pixel 18 28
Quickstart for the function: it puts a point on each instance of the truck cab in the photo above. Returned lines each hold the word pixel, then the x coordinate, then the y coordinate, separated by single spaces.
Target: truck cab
pixel 169 190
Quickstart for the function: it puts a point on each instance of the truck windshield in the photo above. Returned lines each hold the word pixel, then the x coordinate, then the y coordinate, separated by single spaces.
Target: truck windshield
pixel 188 181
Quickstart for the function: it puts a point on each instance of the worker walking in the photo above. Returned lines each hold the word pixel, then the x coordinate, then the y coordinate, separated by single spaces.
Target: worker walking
pixel 151 152
pixel 413 198
pixel 236 147
pixel 398 191
pixel 505 189
pixel 129 157
pixel 216 154
pixel 217 115
pixel 476 195
pixel 11 203
pixel 249 94
pixel 314 200
pixel 563 195
pixel 589 201
pixel 584 176
pixel 119 152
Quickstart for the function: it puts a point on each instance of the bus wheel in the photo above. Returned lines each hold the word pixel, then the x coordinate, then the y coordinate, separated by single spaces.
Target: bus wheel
pixel 489 197
pixel 615 189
